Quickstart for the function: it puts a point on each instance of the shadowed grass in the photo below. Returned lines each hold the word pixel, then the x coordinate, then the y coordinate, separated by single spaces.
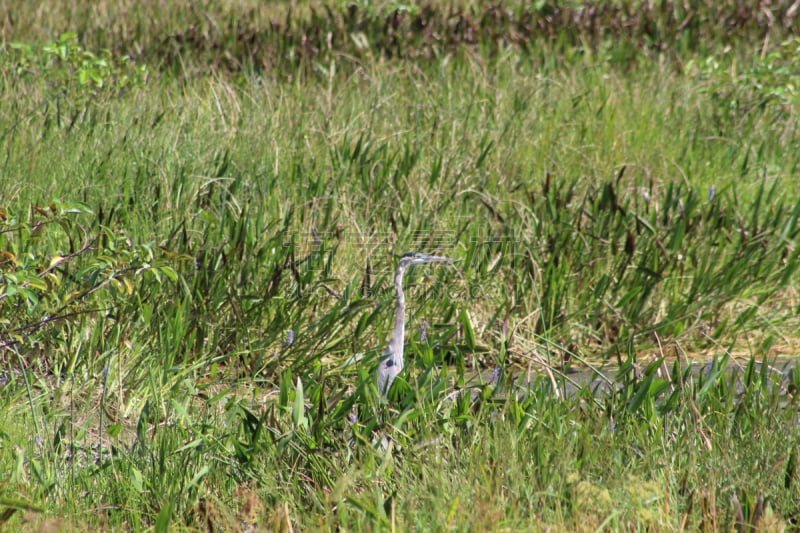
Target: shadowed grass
pixel 238 36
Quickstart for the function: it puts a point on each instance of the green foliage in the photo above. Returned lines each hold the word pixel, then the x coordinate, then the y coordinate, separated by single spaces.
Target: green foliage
pixel 188 337
pixel 66 279
pixel 776 77
pixel 69 67
pixel 772 80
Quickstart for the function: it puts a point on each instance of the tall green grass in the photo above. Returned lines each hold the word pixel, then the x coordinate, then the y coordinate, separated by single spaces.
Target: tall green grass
pixel 569 206
pixel 196 286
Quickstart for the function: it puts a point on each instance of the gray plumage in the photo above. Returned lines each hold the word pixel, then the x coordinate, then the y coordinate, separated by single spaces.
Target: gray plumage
pixel 392 359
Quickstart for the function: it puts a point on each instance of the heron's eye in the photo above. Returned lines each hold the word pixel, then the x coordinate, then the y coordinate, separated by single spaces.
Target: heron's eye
pixel 389 362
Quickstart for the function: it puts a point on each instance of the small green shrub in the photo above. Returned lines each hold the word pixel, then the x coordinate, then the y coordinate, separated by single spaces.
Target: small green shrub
pixel 67 66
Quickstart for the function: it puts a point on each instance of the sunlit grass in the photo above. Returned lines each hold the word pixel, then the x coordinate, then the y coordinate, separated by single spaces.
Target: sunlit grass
pixel 196 284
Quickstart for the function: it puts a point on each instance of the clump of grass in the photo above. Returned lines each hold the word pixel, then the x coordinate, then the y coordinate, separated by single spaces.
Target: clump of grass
pixel 189 333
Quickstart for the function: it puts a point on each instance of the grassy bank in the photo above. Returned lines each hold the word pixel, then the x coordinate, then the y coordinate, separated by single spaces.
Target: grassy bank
pixel 196 276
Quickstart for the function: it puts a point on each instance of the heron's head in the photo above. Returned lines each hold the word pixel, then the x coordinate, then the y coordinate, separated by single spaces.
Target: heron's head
pixel 416 258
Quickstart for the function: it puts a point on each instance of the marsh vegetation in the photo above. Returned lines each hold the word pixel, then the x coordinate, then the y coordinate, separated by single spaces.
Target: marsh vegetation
pixel 203 204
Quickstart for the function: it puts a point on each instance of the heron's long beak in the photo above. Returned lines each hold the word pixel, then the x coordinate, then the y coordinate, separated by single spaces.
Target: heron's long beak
pixel 424 258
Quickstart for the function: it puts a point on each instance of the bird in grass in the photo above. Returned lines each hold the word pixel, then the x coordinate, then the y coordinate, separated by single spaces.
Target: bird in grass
pixel 392 359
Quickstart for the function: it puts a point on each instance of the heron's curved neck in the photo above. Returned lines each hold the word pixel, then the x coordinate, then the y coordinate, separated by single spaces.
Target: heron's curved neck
pixel 400 313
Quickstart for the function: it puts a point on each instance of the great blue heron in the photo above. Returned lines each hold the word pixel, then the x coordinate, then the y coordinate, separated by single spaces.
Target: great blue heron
pixel 392 360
